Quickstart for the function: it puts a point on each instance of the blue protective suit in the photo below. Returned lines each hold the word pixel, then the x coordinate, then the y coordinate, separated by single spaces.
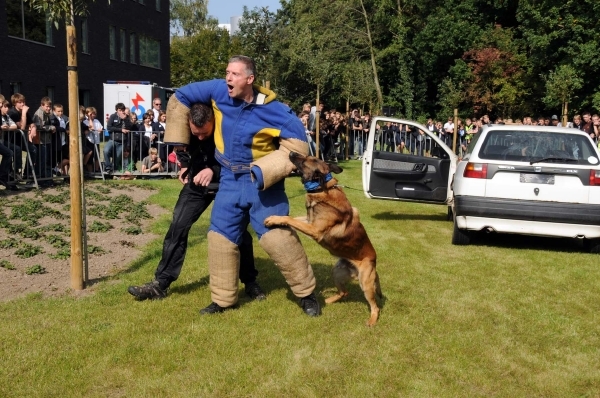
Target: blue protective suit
pixel 246 135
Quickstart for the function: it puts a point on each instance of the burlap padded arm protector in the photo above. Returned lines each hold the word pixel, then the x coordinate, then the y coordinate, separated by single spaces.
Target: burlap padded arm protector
pixel 178 128
pixel 276 165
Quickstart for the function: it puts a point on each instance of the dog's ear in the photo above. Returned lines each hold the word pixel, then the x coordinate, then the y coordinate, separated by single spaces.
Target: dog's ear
pixel 335 168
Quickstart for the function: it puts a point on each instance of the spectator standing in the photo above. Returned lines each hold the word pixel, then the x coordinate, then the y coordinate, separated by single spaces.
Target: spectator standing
pixel 198 169
pixel 7 155
pixel 577 124
pixel 44 122
pixel 61 138
pixel 156 109
pixel 356 130
pixel 9 126
pixel 596 126
pixel 119 125
pixel 449 131
pixel 588 125
pixel 20 114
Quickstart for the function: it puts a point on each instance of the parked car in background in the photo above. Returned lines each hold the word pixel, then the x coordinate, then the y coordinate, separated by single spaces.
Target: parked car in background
pixel 514 179
pixel 529 180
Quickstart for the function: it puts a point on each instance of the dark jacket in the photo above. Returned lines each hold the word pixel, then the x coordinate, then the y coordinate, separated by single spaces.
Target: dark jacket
pixel 200 155
pixel 116 125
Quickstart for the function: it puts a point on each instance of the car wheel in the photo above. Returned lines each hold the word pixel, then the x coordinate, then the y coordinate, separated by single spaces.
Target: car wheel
pixel 592 245
pixel 459 236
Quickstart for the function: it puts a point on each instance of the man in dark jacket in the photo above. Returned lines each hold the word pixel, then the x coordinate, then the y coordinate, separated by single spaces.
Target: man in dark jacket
pixel 120 126
pixel 199 174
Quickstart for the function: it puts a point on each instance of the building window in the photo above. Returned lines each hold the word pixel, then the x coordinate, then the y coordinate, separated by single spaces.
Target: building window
pixel 50 92
pixel 132 52
pixel 15 87
pixel 84 97
pixel 149 52
pixel 28 24
pixel 157 5
pixel 85 45
pixel 112 42
pixel 123 43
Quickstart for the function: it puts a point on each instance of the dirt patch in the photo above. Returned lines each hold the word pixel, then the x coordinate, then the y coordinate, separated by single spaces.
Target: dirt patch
pixel 35 236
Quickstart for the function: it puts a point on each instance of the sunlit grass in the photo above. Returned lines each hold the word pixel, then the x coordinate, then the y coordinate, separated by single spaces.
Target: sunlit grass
pixel 506 316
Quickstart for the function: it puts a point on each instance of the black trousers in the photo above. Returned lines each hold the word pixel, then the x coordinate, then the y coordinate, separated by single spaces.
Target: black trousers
pixel 191 204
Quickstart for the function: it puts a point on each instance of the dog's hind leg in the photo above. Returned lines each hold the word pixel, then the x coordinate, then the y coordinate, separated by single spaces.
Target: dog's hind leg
pixel 369 282
pixel 378 286
pixel 343 272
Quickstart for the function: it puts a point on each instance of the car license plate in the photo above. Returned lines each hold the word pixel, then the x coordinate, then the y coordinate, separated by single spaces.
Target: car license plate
pixel 537 178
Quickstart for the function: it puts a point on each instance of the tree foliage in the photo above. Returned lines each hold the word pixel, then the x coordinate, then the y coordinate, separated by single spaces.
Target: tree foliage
pixel 60 10
pixel 190 17
pixel 425 57
pixel 202 56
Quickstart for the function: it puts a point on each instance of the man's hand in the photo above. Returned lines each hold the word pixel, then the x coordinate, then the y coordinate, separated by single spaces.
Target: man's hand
pixel 204 177
pixel 182 172
pixel 24 110
pixel 124 131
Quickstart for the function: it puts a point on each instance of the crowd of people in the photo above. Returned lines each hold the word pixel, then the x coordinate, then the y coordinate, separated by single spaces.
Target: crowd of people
pixel 133 147
pixel 336 131
pixel 43 137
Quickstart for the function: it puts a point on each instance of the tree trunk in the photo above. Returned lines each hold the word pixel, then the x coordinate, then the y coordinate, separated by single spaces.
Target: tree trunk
pixel 75 164
pixel 372 52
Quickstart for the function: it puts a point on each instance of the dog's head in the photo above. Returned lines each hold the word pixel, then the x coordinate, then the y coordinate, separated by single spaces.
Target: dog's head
pixel 313 170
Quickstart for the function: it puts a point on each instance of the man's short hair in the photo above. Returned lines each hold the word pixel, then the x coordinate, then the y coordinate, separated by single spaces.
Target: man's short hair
pixel 120 106
pixel 247 61
pixel 57 106
pixel 45 101
pixel 201 114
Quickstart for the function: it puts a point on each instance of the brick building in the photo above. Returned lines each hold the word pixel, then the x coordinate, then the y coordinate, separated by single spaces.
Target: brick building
pixel 123 40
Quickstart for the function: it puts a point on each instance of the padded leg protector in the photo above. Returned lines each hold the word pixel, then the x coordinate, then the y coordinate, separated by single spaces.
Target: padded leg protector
pixel 223 266
pixel 285 249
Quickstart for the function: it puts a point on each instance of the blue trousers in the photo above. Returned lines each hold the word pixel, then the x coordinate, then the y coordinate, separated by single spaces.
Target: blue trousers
pixel 238 199
pixel 113 155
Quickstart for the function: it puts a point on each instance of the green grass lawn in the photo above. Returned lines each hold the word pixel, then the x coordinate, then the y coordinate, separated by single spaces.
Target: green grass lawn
pixel 504 317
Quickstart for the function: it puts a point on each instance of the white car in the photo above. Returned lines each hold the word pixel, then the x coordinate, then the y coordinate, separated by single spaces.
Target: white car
pixel 515 179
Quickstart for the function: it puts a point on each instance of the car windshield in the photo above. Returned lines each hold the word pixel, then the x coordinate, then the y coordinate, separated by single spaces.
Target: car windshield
pixel 538 146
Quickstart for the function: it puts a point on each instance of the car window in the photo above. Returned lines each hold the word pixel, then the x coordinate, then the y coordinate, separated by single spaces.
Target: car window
pixel 471 146
pixel 407 139
pixel 536 146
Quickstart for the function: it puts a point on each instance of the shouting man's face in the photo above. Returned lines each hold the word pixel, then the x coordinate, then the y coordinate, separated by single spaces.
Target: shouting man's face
pixel 239 82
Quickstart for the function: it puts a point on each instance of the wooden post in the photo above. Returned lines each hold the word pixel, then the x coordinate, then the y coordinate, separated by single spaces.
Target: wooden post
pixel 565 118
pixel 75 163
pixel 455 130
pixel 347 128
pixel 317 114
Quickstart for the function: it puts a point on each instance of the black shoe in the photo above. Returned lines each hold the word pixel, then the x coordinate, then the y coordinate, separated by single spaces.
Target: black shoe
pixel 310 305
pixel 149 291
pixel 214 308
pixel 254 291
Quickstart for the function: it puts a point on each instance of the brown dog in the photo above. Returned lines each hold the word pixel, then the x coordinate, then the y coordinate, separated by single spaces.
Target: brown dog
pixel 335 225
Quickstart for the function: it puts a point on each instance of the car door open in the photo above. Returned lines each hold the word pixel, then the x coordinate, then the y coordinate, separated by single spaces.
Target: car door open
pixel 403 160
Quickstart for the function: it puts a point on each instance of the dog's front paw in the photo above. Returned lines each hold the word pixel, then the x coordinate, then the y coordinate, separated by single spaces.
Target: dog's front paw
pixel 272 221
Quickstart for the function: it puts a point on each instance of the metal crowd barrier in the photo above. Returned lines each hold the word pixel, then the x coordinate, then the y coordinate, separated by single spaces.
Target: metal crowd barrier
pixel 139 145
pixel 37 165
